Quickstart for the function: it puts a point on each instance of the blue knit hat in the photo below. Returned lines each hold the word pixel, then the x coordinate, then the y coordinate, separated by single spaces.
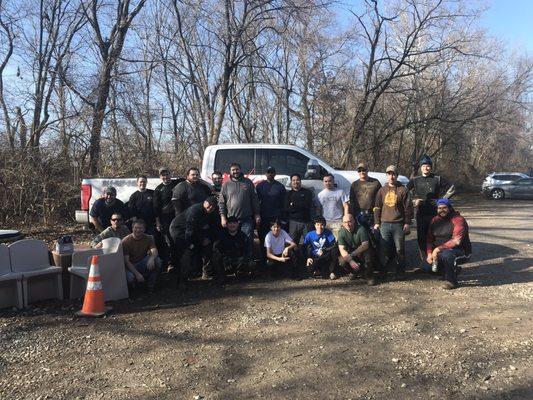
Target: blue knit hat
pixel 426 160
pixel 444 202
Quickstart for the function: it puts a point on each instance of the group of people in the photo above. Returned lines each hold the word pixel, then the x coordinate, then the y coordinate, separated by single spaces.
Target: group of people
pixel 189 227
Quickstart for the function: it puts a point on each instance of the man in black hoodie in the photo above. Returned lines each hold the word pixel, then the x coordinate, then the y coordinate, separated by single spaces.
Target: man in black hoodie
pixel 190 232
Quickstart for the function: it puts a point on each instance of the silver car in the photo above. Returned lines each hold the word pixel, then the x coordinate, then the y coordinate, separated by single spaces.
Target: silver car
pixel 508 185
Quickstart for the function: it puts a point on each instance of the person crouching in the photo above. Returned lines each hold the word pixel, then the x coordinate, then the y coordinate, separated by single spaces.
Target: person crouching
pixel 281 252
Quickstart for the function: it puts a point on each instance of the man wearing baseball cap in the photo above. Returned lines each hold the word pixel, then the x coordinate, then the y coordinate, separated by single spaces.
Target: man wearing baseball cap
pixel 447 242
pixel 105 207
pixel 392 214
pixel 271 195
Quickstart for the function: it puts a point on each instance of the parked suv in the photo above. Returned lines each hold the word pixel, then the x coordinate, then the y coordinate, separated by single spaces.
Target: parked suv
pixel 495 184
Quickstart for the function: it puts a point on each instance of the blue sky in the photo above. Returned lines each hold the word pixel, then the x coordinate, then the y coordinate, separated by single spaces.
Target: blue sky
pixel 512 21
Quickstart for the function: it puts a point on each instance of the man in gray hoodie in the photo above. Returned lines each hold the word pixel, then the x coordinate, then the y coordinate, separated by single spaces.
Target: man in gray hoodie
pixel 238 198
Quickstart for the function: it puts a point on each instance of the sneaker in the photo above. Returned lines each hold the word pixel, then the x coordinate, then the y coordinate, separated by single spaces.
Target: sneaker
pixel 449 285
pixel 317 274
pixel 332 276
pixel 421 271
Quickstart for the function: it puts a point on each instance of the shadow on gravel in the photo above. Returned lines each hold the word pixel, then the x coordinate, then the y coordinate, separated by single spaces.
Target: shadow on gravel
pixel 512 268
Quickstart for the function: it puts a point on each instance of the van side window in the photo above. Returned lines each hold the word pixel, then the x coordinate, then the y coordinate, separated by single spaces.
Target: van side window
pixel 285 161
pixel 244 157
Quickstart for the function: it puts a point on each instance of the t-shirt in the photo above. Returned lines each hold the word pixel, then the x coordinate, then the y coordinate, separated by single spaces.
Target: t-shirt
pixel 141 205
pixel 317 242
pixel 233 246
pixel 271 198
pixel 332 203
pixel 352 240
pixel 363 195
pixel 137 249
pixel 103 211
pixel 277 244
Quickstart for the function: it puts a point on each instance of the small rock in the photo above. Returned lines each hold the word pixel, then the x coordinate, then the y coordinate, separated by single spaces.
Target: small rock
pixel 231 380
pixel 404 385
pixel 462 330
pixel 487 378
pixel 512 368
pixel 395 360
pixel 198 397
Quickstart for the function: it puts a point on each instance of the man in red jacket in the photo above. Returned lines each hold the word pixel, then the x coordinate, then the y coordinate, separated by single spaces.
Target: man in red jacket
pixel 448 241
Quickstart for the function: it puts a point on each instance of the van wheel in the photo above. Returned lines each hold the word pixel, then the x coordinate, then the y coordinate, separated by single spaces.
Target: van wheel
pixel 497 194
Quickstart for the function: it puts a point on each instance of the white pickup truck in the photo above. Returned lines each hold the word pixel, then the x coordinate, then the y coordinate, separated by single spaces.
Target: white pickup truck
pixel 254 160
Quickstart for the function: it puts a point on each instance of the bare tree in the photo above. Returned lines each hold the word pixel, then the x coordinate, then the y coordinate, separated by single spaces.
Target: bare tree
pixel 110 48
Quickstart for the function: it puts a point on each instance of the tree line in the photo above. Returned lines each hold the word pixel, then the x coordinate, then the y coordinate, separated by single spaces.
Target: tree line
pixel 95 88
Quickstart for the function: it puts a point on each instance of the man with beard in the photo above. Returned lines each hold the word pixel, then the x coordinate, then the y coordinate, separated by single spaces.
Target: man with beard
pixel 190 232
pixel 105 207
pixel 216 178
pixel 189 192
pixel 447 242
pixel 238 198
pixel 425 190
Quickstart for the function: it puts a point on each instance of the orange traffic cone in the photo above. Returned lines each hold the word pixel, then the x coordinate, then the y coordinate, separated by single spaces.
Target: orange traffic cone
pixel 93 302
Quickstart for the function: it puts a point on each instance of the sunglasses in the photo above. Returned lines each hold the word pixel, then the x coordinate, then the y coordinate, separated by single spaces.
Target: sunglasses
pixel 116 219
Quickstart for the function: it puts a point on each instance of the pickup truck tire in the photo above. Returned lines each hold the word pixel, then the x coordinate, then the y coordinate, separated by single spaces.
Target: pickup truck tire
pixel 497 194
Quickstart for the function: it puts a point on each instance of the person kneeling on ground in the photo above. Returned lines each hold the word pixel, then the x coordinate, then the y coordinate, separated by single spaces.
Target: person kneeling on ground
pixel 322 251
pixel 117 229
pixel 355 250
pixel 140 256
pixel 191 237
pixel 279 256
pixel 231 252
pixel 447 242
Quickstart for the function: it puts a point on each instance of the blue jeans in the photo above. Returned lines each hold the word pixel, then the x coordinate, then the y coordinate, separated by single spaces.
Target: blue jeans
pixel 447 261
pixel 392 237
pixel 247 227
pixel 149 276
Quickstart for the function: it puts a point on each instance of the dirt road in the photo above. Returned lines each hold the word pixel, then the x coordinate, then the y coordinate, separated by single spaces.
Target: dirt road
pixel 298 340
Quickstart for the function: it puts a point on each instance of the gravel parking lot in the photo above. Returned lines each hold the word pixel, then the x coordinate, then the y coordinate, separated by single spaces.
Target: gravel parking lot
pixel 312 339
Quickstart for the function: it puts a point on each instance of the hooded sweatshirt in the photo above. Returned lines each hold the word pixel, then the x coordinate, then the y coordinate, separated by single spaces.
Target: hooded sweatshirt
pixel 450 232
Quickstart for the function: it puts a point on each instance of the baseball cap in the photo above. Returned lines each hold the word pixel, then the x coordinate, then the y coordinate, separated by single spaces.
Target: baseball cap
pixel 232 219
pixel 362 166
pixel 163 169
pixel 392 168
pixel 110 190
pixel 271 170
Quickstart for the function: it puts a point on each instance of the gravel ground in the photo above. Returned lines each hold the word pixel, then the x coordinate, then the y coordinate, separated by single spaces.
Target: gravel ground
pixel 294 340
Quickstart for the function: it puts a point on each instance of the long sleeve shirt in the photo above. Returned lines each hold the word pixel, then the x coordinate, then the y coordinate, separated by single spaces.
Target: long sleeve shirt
pixel 393 205
pixel 448 233
pixel 238 198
